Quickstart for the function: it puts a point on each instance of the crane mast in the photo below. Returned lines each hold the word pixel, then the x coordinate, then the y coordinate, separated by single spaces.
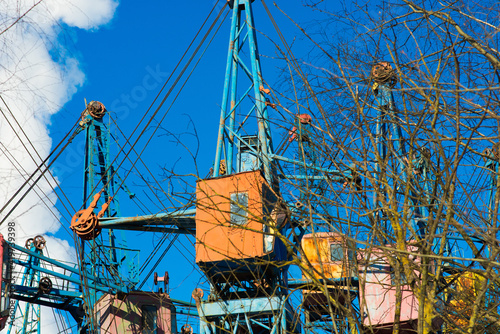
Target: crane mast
pixel 248 288
pixel 234 97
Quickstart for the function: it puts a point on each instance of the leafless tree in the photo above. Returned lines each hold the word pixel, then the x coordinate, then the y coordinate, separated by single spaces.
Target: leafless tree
pixel 442 61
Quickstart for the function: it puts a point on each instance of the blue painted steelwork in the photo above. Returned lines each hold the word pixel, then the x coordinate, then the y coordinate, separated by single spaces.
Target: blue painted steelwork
pixel 309 186
pixel 182 222
pixel 493 165
pixel 29 312
pixel 64 296
pixel 228 141
pixel 99 271
pixel 246 304
pixel 99 257
pixel 421 193
pixel 387 113
pixel 106 265
pixel 253 315
pixel 244 149
pixel 313 186
pixel 420 186
pixel 386 109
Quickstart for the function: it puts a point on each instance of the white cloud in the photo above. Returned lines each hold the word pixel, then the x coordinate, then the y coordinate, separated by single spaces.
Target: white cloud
pixel 82 13
pixel 36 85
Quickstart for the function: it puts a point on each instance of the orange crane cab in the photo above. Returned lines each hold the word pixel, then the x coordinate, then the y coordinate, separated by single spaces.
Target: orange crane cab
pixel 235 226
pixel 330 257
pixel 329 254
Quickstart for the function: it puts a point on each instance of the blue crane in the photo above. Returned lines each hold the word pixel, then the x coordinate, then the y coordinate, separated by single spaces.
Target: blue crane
pixel 249 230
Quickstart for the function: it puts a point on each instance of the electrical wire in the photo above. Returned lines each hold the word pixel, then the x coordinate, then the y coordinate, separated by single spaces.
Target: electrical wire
pixel 151 118
pixel 132 146
pixel 14 161
pixel 38 169
pixel 36 151
pixel 170 90
pixel 166 114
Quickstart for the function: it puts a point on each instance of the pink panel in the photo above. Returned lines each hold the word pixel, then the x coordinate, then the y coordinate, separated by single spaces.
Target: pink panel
pixel 378 297
pixel 117 316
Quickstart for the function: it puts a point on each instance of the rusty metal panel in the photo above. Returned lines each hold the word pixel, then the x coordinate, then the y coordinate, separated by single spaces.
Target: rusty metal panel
pixel 229 217
pixel 124 315
pixel 328 255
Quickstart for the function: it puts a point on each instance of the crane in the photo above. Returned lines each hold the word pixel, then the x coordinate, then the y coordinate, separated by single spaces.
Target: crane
pixel 105 268
pixel 261 211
